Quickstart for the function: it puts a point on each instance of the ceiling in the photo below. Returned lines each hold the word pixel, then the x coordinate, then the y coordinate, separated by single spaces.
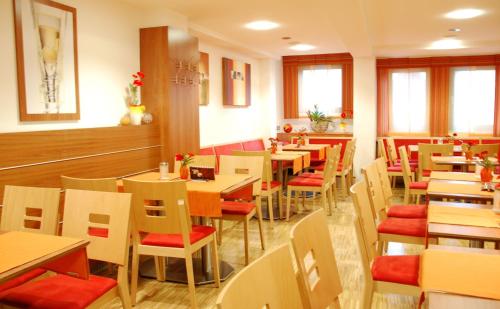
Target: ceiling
pixel 383 28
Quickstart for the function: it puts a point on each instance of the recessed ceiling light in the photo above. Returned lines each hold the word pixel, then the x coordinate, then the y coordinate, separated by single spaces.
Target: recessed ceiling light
pixel 454 29
pixel 261 25
pixel 464 13
pixel 302 47
pixel 448 43
pixel 286 38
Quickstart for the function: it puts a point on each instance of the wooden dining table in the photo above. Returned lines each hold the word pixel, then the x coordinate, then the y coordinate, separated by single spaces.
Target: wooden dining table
pixel 21 252
pixel 208 207
pixel 459 161
pixel 438 300
pixel 458 189
pixel 319 148
pixel 473 222
pixel 458 176
pixel 414 148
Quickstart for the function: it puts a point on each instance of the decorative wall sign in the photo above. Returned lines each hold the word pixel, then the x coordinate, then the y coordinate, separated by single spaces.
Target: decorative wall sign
pixel 236 83
pixel 47 62
pixel 204 79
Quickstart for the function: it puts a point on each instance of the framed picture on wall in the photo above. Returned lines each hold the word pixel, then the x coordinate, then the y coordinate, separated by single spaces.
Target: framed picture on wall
pixel 236 83
pixel 204 71
pixel 47 60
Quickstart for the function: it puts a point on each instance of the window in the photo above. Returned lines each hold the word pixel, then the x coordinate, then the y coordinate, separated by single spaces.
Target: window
pixel 320 85
pixel 472 100
pixel 409 101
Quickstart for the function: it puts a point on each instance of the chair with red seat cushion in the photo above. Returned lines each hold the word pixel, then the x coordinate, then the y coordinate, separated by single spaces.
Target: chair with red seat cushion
pixel 243 211
pixel 322 185
pixel 426 151
pixel 312 175
pixel 62 291
pixel 383 274
pixel 412 187
pixel 402 226
pixel 407 211
pixel 165 230
pixel 32 274
pixel 419 185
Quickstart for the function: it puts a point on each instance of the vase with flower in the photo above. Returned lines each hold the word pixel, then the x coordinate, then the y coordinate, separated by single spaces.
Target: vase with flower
pixel 301 138
pixel 487 167
pixel 274 145
pixel 185 159
pixel 466 148
pixel 343 120
pixel 136 110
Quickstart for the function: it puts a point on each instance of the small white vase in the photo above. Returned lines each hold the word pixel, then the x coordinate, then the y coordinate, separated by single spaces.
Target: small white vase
pixel 136 118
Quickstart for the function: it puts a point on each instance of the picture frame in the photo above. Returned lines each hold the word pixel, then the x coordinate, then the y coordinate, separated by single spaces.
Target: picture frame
pixel 204 71
pixel 47 60
pixel 236 83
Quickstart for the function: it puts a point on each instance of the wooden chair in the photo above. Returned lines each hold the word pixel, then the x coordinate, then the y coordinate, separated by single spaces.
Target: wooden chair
pixel 166 230
pixel 243 211
pixel 345 170
pixel 198 160
pixel 33 210
pixel 322 185
pixel 425 152
pixel 30 209
pixel 492 149
pixel 402 230
pixel 412 187
pixel 95 184
pixel 65 291
pixel 269 186
pixel 396 210
pixel 392 170
pixel 383 274
pixel 393 154
pixel 268 282
pixel 318 275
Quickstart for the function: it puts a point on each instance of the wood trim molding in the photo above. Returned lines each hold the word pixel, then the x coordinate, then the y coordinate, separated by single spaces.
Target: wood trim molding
pixel 438 61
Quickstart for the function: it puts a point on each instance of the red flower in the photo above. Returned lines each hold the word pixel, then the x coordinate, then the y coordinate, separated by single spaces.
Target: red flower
pixel 138 83
pixel 140 74
pixel 190 154
pixel 343 115
pixel 179 157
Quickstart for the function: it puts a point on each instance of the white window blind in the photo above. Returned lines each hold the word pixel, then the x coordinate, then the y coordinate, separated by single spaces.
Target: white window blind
pixel 320 85
pixel 472 100
pixel 409 101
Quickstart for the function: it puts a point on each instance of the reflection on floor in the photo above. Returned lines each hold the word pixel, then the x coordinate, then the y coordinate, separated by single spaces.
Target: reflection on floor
pixel 153 294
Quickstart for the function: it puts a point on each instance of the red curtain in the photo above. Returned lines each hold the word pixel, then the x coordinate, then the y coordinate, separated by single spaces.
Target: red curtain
pixel 382 102
pixel 496 125
pixel 440 97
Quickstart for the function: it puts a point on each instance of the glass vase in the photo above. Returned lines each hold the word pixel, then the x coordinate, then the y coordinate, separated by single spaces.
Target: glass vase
pixel 184 172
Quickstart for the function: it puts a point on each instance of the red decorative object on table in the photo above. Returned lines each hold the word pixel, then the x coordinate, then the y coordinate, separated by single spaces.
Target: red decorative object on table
pixel 274 145
pixel 487 171
pixel 287 128
pixel 185 159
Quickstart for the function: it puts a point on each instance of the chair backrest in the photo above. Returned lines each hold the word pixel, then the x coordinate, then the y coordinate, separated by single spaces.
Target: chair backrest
pixel 170 215
pixel 267 171
pixel 391 150
pixel 268 282
pixel 82 206
pixel 252 166
pixel 376 195
pixel 381 150
pixel 366 229
pixel 385 182
pixel 348 155
pixel 98 184
pixel 30 209
pixel 492 149
pixel 405 166
pixel 426 151
pixel 318 274
pixel 198 160
pixel 331 163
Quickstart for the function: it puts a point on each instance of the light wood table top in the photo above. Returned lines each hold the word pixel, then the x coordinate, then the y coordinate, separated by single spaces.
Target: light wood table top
pixel 445 301
pixel 458 176
pixel 22 252
pixel 457 189
pixel 414 148
pixel 457 160
pixel 309 147
pixel 467 232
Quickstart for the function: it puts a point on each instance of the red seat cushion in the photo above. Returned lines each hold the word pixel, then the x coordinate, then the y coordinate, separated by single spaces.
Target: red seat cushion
pixel 98 232
pixel 408 211
pixel 175 240
pixel 399 168
pixel 32 274
pixel 320 167
pixel 312 175
pixel 412 161
pixel 400 226
pixel 59 291
pixel 305 182
pixel 236 208
pixel 426 173
pixel 420 185
pixel 402 269
pixel 274 184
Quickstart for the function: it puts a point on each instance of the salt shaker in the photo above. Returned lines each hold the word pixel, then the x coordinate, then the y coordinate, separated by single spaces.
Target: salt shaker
pixel 163 170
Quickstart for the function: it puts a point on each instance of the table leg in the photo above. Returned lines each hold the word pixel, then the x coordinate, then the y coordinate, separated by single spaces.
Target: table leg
pixel 276 212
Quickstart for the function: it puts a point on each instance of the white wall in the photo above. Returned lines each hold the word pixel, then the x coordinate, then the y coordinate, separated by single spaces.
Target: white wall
pixel 108 52
pixel 221 125
pixel 365 107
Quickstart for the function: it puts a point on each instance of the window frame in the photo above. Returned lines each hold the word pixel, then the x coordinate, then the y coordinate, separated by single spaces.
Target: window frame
pixel 333 66
pixel 428 103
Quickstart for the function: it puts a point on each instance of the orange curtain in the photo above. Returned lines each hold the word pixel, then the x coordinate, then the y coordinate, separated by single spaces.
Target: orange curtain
pixel 382 102
pixel 440 97
pixel 496 125
pixel 291 91
pixel 291 66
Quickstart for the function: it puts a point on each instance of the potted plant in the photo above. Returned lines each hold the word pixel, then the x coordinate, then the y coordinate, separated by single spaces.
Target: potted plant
pixel 319 121
pixel 487 167
pixel 185 159
pixel 136 110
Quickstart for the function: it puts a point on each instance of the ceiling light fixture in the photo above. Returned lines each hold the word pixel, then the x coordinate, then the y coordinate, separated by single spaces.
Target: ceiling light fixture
pixel 286 38
pixel 448 43
pixel 302 47
pixel 464 13
pixel 454 29
pixel 261 25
